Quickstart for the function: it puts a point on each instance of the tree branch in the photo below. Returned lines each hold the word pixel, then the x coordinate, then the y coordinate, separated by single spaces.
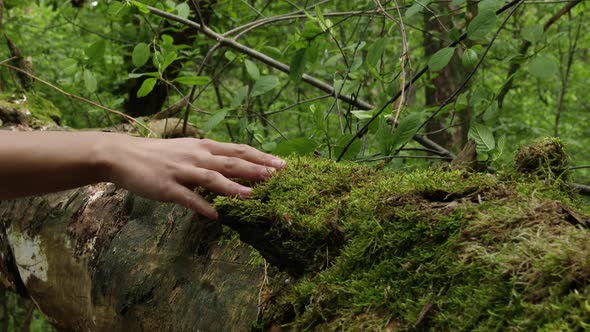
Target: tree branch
pixel 262 58
pixel 285 68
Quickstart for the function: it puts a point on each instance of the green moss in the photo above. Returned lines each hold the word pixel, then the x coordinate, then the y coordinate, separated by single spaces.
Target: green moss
pixel 32 108
pixel 546 159
pixel 440 250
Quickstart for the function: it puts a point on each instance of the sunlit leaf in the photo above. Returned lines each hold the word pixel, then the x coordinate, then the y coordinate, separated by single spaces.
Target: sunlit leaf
pixel 183 10
pixel 192 80
pixel 483 138
pixel 146 87
pixel 90 81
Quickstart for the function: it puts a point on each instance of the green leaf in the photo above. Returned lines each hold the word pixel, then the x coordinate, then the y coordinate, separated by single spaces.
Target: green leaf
pixel 481 25
pixel 351 152
pixel 457 2
pixel 383 137
pixel 70 67
pixel 192 80
pixel 297 65
pixel 441 58
pixel 183 10
pixel 231 56
pixel 417 7
pixel 324 24
pixel 141 7
pixel 362 114
pixel 95 51
pixel 151 74
pixel 469 59
pixel 311 30
pixel 252 69
pixel 490 5
pixel 140 55
pixel 170 57
pixel 483 138
pixel 239 96
pixel 214 120
pixel 319 122
pixel 273 52
pixel 116 8
pixel 375 52
pixel 90 81
pixel 146 87
pixel 533 33
pixel 543 67
pixel 263 85
pixel 407 128
pixel 299 146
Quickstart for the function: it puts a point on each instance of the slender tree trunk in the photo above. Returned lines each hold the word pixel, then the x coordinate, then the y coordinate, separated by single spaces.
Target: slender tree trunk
pixel 445 84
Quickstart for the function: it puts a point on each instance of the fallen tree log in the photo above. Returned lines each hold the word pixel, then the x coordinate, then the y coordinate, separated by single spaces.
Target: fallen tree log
pixel 350 247
pixel 99 259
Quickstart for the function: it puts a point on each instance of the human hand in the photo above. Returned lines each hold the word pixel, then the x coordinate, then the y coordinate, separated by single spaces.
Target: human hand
pixel 169 170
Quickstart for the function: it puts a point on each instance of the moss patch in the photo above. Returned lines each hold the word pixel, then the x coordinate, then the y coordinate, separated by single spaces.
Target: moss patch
pixel 28 109
pixel 440 250
pixel 546 159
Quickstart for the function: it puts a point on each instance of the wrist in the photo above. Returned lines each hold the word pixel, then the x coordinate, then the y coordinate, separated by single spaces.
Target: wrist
pixel 105 155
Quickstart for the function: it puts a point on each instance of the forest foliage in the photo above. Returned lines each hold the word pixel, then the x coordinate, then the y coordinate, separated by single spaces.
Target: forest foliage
pixel 402 84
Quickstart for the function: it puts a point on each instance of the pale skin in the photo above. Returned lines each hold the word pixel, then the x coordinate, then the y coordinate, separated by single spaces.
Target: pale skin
pixel 33 163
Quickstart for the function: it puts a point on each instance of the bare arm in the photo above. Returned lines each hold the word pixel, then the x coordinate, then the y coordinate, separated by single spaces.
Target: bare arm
pixel 166 170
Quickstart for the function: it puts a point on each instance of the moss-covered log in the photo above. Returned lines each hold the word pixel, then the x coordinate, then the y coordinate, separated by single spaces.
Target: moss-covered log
pixel 349 247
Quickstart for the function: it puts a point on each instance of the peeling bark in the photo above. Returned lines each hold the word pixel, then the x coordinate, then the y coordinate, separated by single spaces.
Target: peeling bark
pixel 100 259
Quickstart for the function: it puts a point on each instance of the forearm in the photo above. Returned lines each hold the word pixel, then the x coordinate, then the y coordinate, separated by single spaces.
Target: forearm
pixel 40 162
pixel 33 163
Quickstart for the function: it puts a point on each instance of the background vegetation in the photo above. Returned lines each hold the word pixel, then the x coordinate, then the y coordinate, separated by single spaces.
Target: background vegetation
pixel 411 81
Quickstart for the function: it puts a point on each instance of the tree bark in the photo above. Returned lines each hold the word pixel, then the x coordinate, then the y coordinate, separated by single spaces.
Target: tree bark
pixel 100 259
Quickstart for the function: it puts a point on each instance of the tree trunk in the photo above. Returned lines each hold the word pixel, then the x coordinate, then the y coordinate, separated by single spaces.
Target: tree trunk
pixel 446 82
pixel 100 259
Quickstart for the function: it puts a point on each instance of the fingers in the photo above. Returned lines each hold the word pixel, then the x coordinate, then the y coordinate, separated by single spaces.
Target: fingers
pixel 193 201
pixel 245 152
pixel 213 181
pixel 239 168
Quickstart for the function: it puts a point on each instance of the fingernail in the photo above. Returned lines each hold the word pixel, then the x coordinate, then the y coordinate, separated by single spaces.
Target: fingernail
pixel 245 191
pixel 267 171
pixel 278 163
